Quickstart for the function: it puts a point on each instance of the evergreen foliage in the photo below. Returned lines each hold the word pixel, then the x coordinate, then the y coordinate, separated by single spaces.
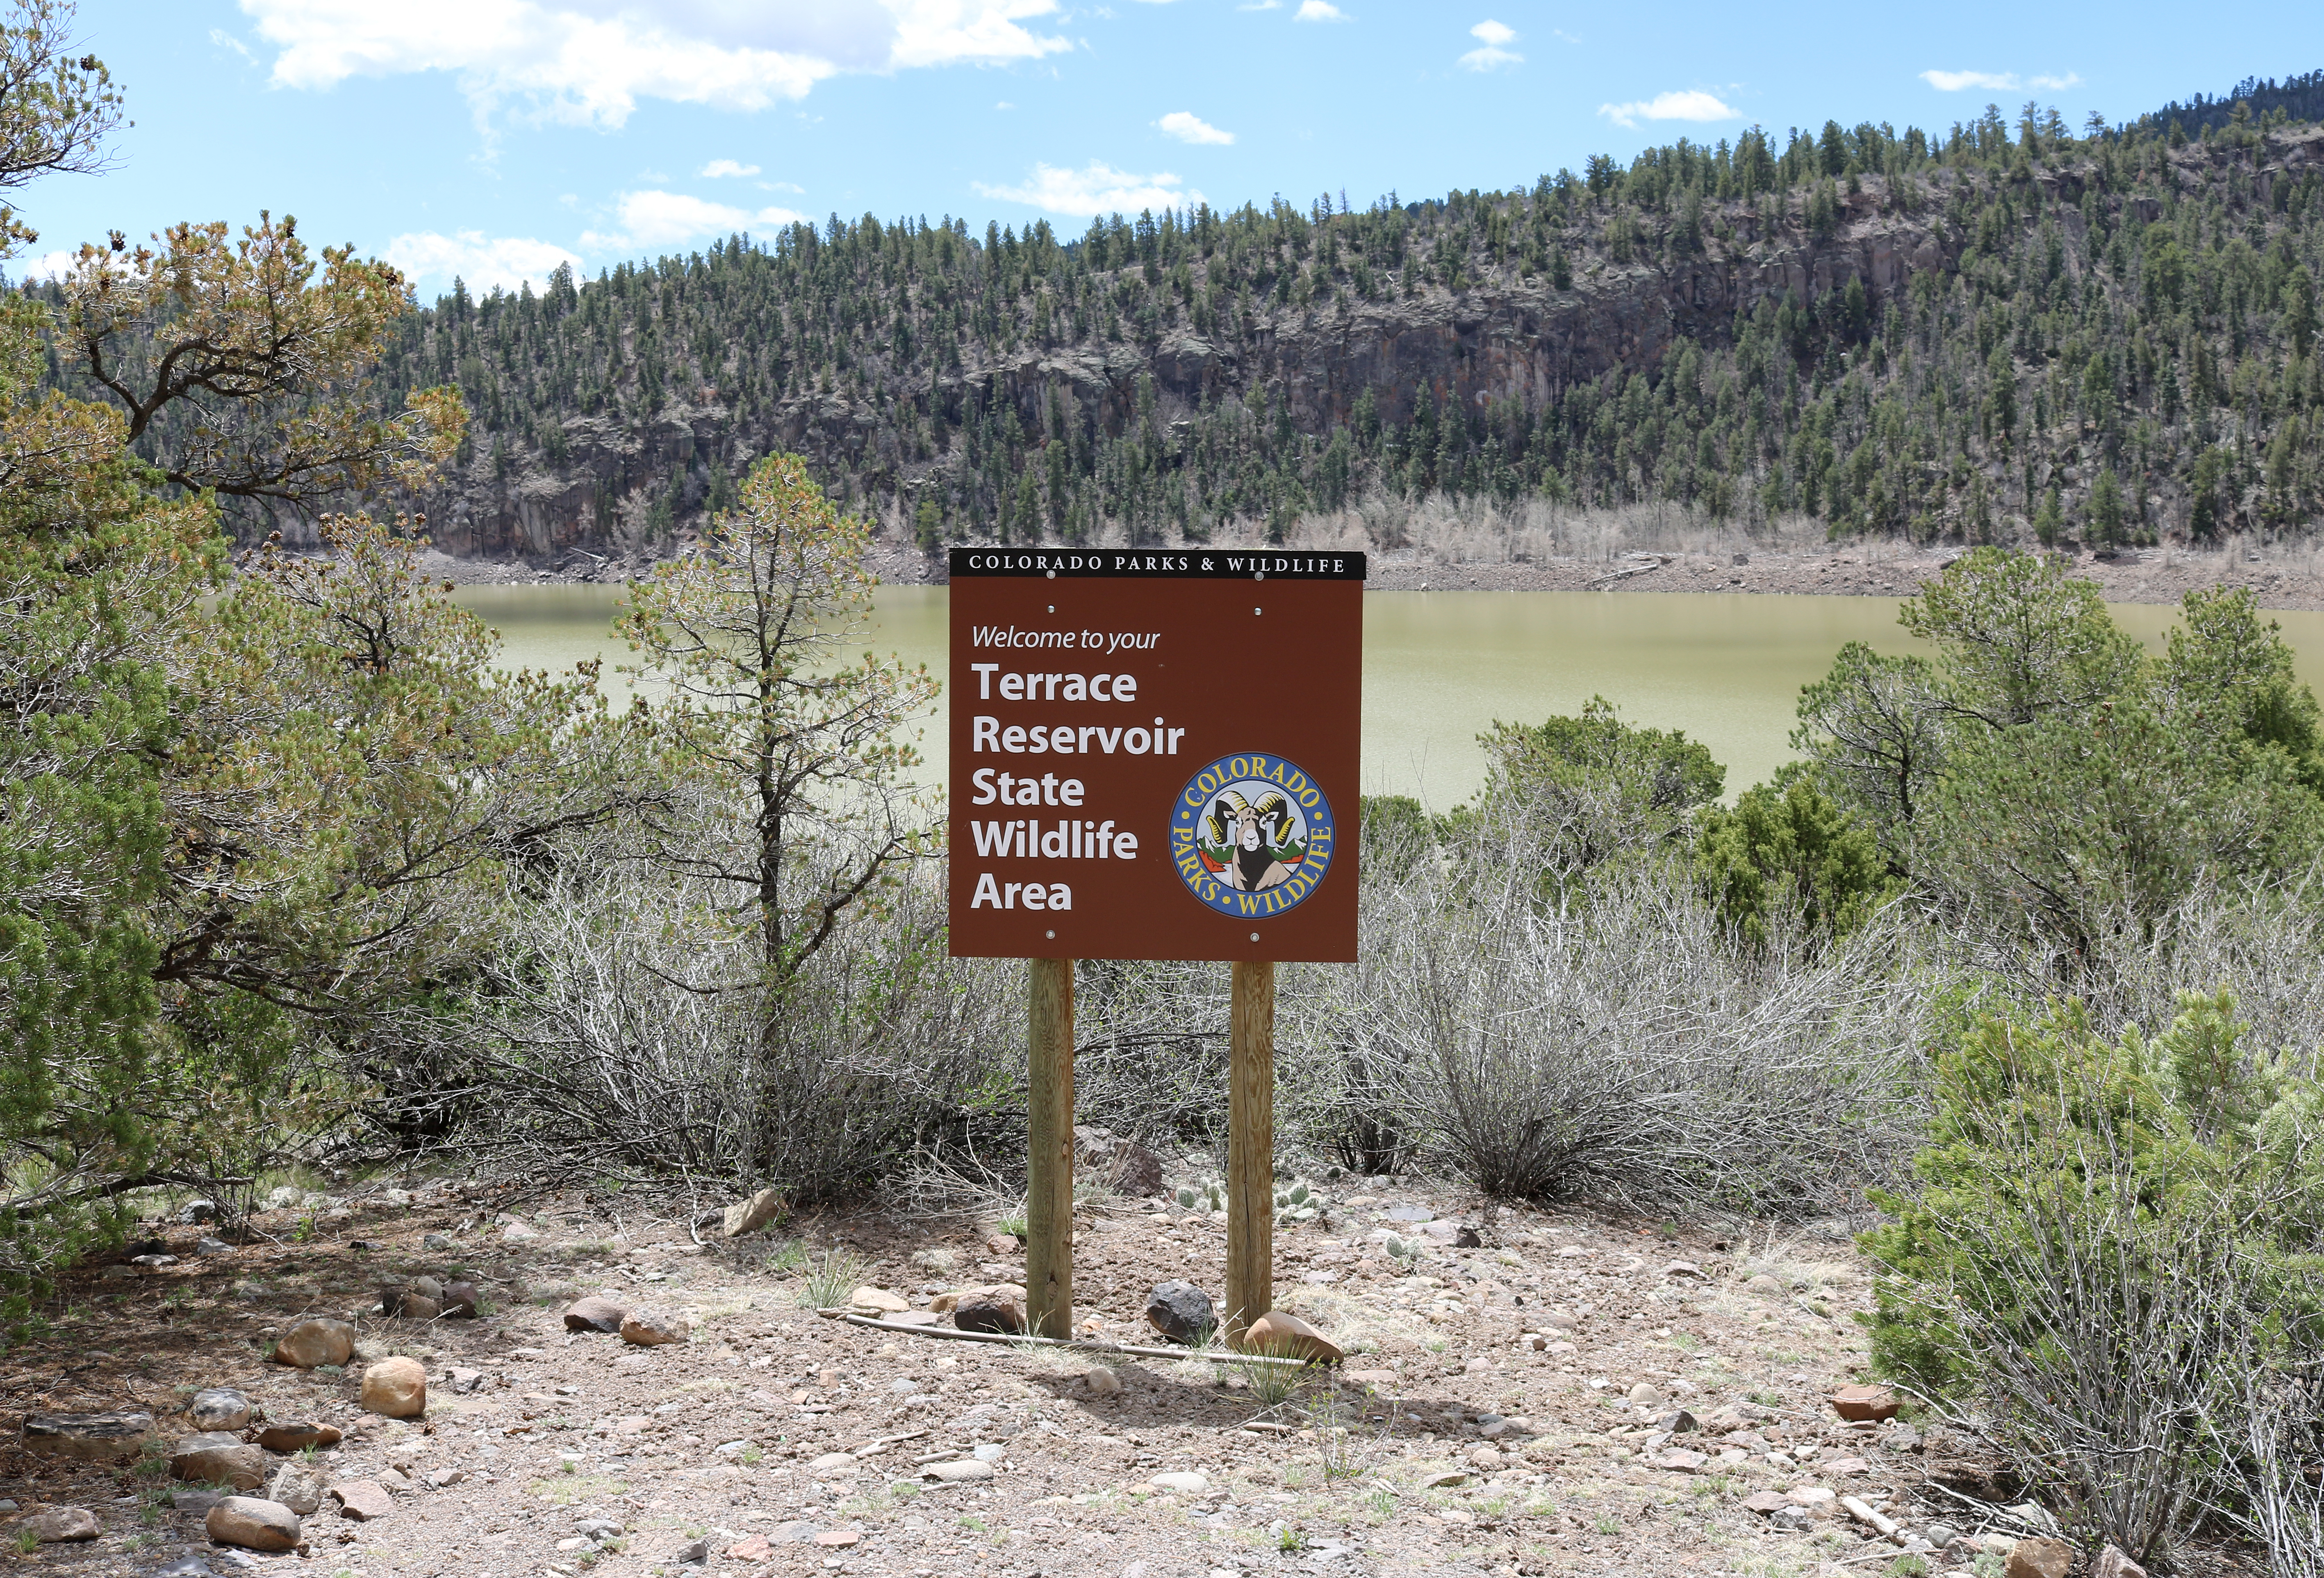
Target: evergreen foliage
pixel 2107 336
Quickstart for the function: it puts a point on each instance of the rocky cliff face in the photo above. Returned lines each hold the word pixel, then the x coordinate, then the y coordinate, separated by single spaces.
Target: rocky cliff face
pixel 1504 333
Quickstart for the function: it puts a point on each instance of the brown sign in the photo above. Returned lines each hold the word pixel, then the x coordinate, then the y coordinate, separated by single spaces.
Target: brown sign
pixel 1153 753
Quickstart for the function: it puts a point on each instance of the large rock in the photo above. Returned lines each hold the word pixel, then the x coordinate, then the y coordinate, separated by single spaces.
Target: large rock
pixel 216 1457
pixel 299 1486
pixel 2040 1557
pixel 112 1437
pixel 653 1328
pixel 594 1313
pixel 1286 1336
pixel 395 1387
pixel 989 1309
pixel 750 1215
pixel 218 1408
pixel 1858 1403
pixel 2114 1562
pixel 1182 1312
pixel 462 1299
pixel 310 1344
pixel 1126 1166
pixel 253 1524
pixel 61 1525
pixel 876 1301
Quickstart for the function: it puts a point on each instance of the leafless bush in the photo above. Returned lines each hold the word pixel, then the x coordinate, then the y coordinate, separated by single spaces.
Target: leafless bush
pixel 627 1031
pixel 1613 1042
pixel 2285 1449
pixel 2260 943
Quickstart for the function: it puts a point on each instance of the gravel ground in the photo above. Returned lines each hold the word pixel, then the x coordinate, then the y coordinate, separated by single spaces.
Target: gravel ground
pixel 1511 1364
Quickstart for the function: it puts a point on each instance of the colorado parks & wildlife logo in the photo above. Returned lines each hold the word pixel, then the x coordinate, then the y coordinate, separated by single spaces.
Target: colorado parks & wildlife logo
pixel 1250 835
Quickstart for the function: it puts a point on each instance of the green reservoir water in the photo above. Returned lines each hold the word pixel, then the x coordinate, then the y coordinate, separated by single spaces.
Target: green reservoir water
pixel 1440 666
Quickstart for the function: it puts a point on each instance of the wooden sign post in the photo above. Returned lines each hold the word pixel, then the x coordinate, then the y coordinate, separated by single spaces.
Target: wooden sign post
pixel 1153 756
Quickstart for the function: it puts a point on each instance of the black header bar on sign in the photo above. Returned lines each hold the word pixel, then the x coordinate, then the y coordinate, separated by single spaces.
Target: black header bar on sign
pixel 1177 564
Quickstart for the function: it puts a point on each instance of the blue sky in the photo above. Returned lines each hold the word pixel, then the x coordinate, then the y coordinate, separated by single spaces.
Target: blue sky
pixel 493 138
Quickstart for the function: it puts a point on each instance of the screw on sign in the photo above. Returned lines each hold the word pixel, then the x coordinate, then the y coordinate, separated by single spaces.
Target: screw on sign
pixel 1153 756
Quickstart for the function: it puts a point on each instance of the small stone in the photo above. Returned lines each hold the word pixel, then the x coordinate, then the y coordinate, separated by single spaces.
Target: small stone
pixel 113 1437
pixel 207 1245
pixel 1678 1461
pixel 1763 1283
pixel 754 1548
pixel 396 1389
pixel 310 1344
pixel 876 1301
pixel 528 1355
pixel 253 1524
pixel 599 1529
pixel 653 1328
pixel 297 1435
pixel 958 1472
pixel 2113 1562
pixel 695 1555
pixel 1558 1320
pixel 1467 1238
pixel 594 1315
pixel 988 1309
pixel 462 1299
pixel 990 1451
pixel 1187 1482
pixel 517 1233
pixel 745 1216
pixel 218 1408
pixel 1814 1498
pixel 360 1500
pixel 839 1538
pixel 1678 1422
pixel 836 1462
pixel 1102 1382
pixel 218 1457
pixel 62 1525
pixel 194 1212
pixel 1002 1243
pixel 1858 1403
pixel 1646 1394
pixel 463 1381
pixel 298 1487
pixel 2040 1557
pixel 1181 1312
pixel 1446 1481
pixel 419 1307
pixel 195 1501
pixel 437 1243
pixel 1764 1503
pixel 1286 1336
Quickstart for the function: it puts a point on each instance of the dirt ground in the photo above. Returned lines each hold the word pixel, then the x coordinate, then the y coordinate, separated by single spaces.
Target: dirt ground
pixel 1509 1365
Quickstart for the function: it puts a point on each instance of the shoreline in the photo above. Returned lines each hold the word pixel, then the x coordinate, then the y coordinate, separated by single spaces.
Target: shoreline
pixel 2290 580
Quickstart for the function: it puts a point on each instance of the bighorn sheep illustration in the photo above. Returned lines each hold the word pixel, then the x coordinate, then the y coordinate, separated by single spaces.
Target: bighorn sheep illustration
pixel 1237 823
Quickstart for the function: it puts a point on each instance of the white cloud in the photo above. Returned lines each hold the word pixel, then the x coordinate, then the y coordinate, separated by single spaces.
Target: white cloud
pixel 226 40
pixel 1190 128
pixel 660 219
pixel 48 265
pixel 1097 188
pixel 1695 105
pixel 505 261
pixel 1996 81
pixel 589 61
pixel 1318 11
pixel 718 168
pixel 1492 52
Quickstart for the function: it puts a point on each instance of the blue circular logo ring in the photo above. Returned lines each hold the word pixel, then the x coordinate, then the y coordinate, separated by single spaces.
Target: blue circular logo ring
pixel 1251 835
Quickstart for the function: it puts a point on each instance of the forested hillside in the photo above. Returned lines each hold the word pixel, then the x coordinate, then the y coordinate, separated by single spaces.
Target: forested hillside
pixel 2002 332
